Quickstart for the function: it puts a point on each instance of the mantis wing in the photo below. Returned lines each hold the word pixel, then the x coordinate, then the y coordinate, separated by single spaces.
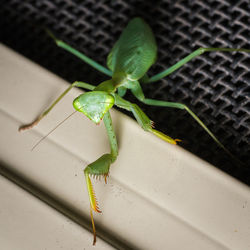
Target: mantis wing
pixel 134 52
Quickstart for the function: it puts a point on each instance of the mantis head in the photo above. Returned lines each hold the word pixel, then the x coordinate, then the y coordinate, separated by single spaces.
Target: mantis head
pixel 94 104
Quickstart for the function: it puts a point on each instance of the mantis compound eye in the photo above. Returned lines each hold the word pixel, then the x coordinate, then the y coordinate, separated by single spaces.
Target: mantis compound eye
pixel 94 104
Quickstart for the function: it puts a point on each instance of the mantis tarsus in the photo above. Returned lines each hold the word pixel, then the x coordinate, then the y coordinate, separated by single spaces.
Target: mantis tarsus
pixel 128 62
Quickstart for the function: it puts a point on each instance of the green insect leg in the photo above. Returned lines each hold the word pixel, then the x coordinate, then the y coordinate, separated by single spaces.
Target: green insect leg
pixel 142 119
pixel 100 168
pixel 39 118
pixel 80 55
pixel 138 93
pixel 187 59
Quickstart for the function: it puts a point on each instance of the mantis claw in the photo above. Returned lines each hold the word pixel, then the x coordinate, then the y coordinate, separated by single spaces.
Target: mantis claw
pixel 93 226
pixel 97 170
pixel 92 196
pixel 105 177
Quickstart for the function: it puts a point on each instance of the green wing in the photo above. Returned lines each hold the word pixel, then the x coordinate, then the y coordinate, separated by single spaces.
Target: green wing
pixel 134 52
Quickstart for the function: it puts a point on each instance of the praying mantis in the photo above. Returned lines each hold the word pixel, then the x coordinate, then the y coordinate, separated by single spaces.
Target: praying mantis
pixel 127 65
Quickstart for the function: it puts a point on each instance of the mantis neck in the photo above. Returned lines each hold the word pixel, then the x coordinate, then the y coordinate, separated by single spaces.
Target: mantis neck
pixel 110 86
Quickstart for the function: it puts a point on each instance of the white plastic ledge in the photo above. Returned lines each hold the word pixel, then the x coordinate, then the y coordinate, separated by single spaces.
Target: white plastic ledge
pixel 158 196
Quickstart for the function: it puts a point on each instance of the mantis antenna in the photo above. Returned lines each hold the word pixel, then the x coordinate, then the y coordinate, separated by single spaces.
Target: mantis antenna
pixel 43 138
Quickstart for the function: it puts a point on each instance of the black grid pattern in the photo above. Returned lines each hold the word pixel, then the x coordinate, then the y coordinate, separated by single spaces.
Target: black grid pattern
pixel 216 86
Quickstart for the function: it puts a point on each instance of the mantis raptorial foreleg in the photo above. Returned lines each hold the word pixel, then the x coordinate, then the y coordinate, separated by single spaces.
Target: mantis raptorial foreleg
pixel 186 59
pixel 41 116
pixel 100 167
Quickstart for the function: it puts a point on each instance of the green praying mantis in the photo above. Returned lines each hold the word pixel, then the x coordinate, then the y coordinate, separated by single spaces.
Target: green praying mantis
pixel 128 62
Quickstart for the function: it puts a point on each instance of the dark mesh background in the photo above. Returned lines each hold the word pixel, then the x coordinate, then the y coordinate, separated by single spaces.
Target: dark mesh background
pixel 216 86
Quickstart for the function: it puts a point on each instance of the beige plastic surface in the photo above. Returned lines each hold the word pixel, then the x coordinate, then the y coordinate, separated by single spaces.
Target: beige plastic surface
pixel 28 223
pixel 158 196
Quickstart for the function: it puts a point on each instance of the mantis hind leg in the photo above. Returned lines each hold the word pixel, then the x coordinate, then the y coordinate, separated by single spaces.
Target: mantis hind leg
pixel 100 168
pixel 41 116
pixel 80 55
pixel 187 59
